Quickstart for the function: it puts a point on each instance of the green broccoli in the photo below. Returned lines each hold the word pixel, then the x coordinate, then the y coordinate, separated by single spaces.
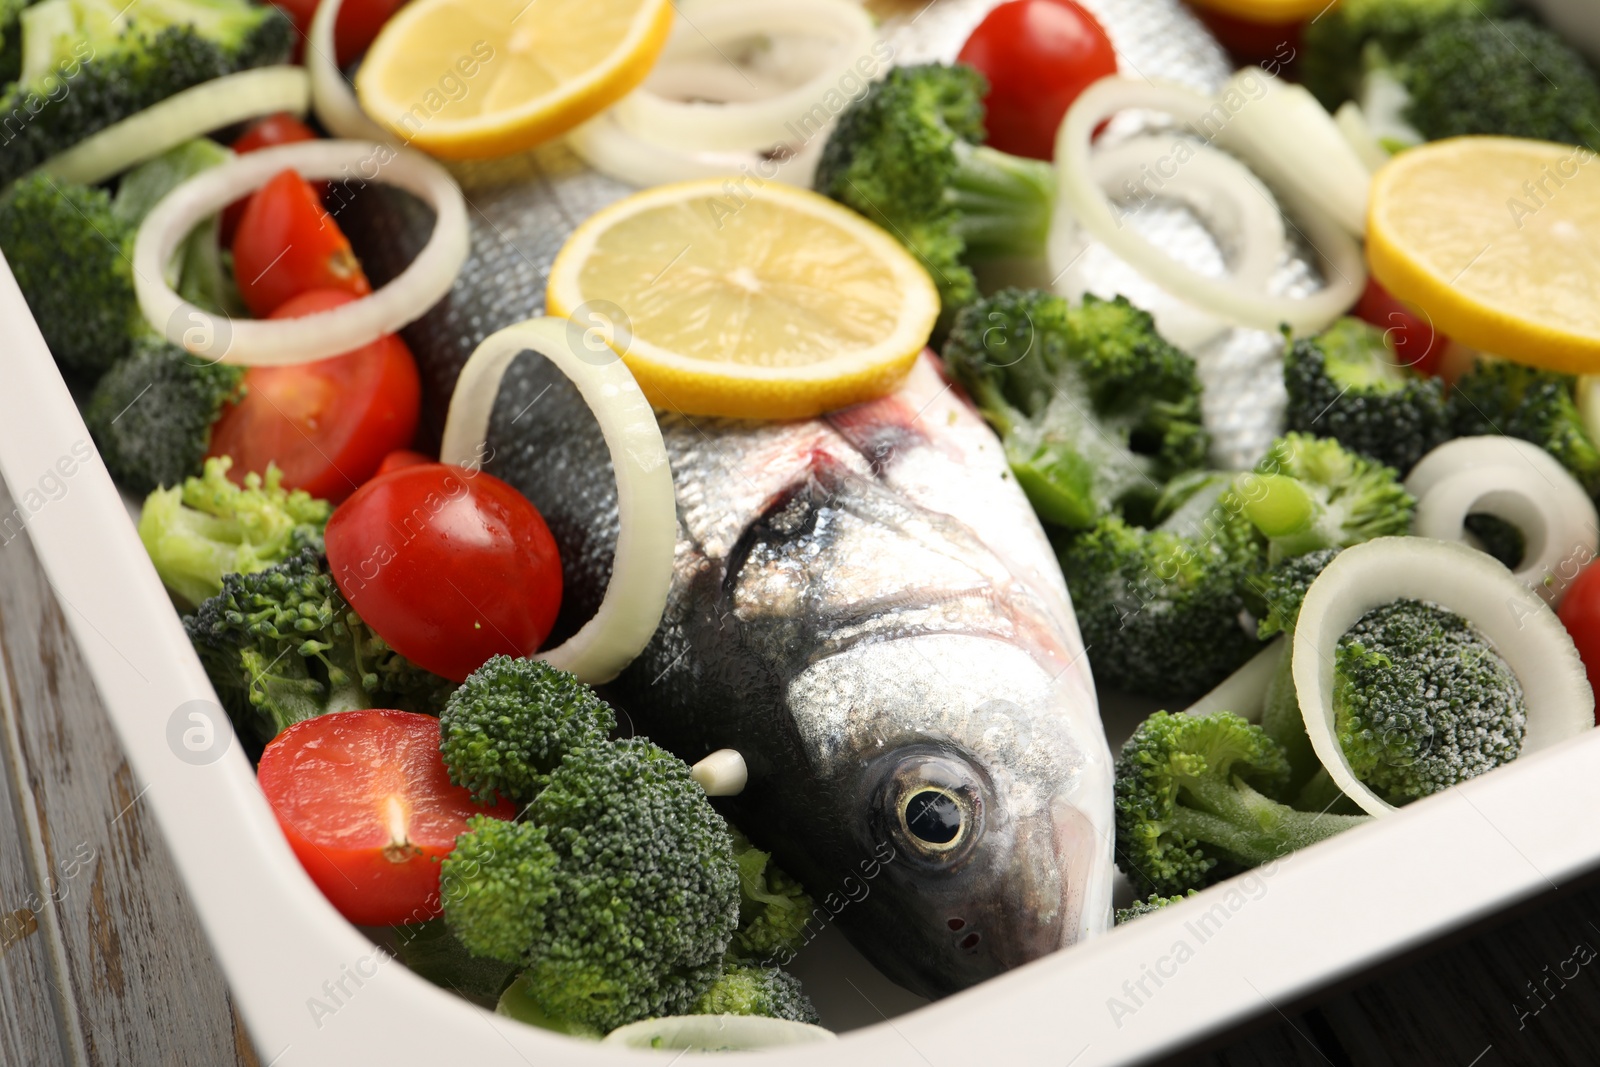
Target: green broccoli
pixel 1505 77
pixel 1160 610
pixel 1338 41
pixel 151 414
pixel 71 254
pixel 513 721
pixel 773 907
pixel 1096 410
pixel 1281 592
pixel 1500 397
pixel 202 275
pixel 1345 384
pixel 909 156
pixel 1310 493
pixel 1283 589
pixel 114 64
pixel 281 645
pixel 746 989
pixel 1197 801
pixel 1154 902
pixel 617 891
pixel 1422 701
pixel 207 527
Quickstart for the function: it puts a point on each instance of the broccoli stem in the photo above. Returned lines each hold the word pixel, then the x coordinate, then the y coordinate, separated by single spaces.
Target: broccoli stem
pixel 1284 510
pixel 1248 827
pixel 1281 719
pixel 1003 202
pixel 1321 794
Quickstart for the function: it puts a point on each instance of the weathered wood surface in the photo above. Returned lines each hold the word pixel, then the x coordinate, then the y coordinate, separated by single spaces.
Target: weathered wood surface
pixel 102 961
pixel 101 958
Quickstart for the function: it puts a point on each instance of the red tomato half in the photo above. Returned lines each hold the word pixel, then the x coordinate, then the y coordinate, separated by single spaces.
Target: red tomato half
pixel 449 566
pixel 368 808
pixel 1409 329
pixel 358 23
pixel 282 128
pixel 327 424
pixel 1580 614
pixel 1038 56
pixel 287 245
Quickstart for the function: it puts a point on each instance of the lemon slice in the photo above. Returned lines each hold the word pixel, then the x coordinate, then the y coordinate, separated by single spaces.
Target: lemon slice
pixel 755 302
pixel 474 78
pixel 1498 241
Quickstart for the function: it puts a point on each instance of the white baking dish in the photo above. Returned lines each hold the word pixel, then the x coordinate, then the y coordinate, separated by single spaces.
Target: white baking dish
pixel 1241 949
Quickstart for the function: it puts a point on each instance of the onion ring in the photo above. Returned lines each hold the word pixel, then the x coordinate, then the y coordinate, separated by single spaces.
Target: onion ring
pixel 331 96
pixel 616 152
pixel 277 342
pixel 1081 194
pixel 1520 626
pixel 647 522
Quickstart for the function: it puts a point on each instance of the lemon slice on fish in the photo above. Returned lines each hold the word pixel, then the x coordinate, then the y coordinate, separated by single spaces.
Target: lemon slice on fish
pixel 1497 240
pixel 732 297
pixel 475 78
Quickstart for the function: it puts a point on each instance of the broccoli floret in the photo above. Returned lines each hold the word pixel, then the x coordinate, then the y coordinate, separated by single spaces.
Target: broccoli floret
pixel 208 527
pixel 1504 77
pixel 1097 411
pixel 1346 385
pixel 1310 493
pixel 1196 802
pixel 281 645
pixel 746 989
pixel 1499 397
pixel 71 254
pixel 909 156
pixel 1422 701
pixel 151 414
pixel 1154 902
pixel 1283 589
pixel 1161 610
pixel 773 907
pixel 113 68
pixel 511 723
pixel 1337 41
pixel 618 891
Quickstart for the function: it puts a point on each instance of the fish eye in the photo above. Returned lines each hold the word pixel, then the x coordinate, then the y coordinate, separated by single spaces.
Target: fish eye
pixel 933 805
pixel 933 817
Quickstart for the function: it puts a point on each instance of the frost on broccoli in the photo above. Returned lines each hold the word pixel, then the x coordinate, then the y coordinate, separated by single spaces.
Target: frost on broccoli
pixel 617 890
pixel 1097 411
pixel 909 156
pixel 1345 384
pixel 1197 800
pixel 207 527
pixel 1422 701
pixel 513 721
pixel 1152 903
pixel 281 645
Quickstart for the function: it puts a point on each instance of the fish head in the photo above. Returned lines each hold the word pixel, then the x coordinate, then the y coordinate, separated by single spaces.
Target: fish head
pixel 966 777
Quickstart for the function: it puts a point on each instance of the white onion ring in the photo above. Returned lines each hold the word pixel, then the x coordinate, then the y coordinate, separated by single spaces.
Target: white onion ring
pixel 277 342
pixel 605 145
pixel 331 96
pixel 746 125
pixel 1520 626
pixel 647 523
pixel 1292 141
pixel 1352 123
pixel 1082 195
pixel 1521 483
pixel 1218 188
pixel 181 117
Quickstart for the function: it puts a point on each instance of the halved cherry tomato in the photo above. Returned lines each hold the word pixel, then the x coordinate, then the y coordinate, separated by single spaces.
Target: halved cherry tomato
pixel 287 245
pixel 282 128
pixel 399 459
pixel 328 424
pixel 1038 56
pixel 1410 331
pixel 448 565
pixel 369 810
pixel 1580 614
pixel 358 23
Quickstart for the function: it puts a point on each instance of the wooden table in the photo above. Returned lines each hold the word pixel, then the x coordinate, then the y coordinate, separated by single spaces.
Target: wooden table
pixel 102 961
